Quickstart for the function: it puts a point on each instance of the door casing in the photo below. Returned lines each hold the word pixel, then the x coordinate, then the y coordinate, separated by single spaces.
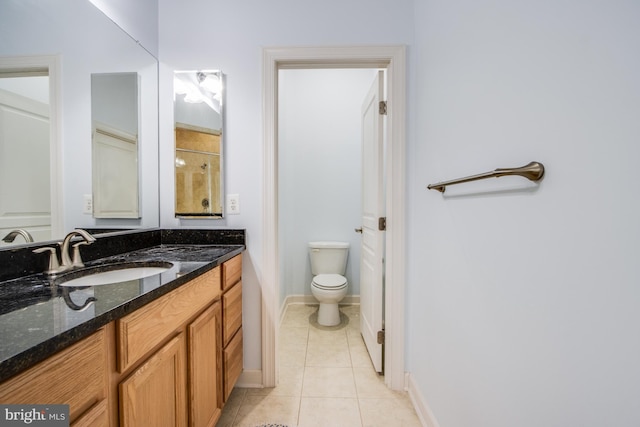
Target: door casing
pixel 393 59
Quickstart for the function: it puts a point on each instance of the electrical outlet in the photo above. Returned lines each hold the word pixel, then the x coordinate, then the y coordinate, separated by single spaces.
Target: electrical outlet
pixel 87 204
pixel 233 204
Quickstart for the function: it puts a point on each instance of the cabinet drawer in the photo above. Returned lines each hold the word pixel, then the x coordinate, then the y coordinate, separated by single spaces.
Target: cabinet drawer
pixel 232 363
pixel 231 312
pixel 231 272
pixel 97 416
pixel 75 376
pixel 144 329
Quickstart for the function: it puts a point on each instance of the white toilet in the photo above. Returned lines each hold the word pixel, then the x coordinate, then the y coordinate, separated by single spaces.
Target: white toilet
pixel 329 286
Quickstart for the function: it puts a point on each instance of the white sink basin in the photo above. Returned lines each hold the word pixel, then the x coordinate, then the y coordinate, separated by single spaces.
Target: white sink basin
pixel 123 274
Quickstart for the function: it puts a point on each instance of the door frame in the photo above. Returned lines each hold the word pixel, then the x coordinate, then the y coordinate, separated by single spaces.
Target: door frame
pixel 26 64
pixel 393 59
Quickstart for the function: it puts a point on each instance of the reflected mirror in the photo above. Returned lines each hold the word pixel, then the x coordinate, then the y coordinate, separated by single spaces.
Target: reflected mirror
pixel 198 116
pixel 114 145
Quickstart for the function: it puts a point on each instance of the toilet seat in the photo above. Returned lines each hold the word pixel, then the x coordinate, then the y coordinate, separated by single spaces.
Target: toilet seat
pixel 329 281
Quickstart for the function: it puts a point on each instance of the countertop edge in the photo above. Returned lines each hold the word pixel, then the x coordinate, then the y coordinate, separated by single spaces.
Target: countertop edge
pixel 20 362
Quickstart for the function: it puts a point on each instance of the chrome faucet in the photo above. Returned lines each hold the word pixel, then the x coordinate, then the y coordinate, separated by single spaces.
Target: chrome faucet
pixel 66 263
pixel 65 260
pixel 22 232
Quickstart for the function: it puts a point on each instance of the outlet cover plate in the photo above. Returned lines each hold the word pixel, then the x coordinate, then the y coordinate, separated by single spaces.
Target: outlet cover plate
pixel 233 204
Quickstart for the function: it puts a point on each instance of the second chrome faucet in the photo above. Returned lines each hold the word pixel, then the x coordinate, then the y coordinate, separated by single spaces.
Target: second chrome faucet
pixel 66 262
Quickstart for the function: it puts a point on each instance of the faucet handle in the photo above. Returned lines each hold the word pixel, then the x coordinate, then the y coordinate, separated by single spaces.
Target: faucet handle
pixel 54 266
pixel 77 259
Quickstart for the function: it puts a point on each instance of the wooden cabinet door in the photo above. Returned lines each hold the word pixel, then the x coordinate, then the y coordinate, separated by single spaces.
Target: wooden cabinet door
pixel 155 393
pixel 74 376
pixel 205 368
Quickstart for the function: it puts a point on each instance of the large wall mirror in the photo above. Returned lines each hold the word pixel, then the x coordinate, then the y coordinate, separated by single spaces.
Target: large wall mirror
pixel 50 52
pixel 198 116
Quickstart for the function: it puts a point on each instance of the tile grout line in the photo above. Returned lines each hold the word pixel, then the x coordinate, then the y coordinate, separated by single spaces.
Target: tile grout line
pixel 355 361
pixel 350 338
pixel 355 381
pixel 233 420
pixel 304 374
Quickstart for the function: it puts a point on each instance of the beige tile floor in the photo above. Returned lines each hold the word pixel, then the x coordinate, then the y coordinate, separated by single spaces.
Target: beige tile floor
pixel 326 379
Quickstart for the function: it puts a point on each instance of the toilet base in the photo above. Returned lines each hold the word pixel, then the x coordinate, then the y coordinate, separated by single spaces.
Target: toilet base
pixel 329 314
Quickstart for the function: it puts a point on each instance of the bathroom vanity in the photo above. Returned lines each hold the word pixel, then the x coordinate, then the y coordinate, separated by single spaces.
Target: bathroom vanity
pixel 139 352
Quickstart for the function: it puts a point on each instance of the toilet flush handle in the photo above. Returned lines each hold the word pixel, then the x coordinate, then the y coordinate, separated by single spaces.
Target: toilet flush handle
pixel 359 230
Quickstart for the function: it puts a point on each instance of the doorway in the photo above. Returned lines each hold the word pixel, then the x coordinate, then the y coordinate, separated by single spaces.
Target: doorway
pixel 320 171
pixel 29 139
pixel 391 58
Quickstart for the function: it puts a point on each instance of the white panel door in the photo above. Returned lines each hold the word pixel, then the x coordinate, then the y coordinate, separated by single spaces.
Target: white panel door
pixel 115 173
pixel 371 271
pixel 25 194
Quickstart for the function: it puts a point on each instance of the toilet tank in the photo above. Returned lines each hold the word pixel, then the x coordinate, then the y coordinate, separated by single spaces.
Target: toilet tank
pixel 328 257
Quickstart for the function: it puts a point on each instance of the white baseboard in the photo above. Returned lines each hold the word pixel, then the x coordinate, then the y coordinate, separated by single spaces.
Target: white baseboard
pixel 311 300
pixel 300 299
pixel 419 404
pixel 250 379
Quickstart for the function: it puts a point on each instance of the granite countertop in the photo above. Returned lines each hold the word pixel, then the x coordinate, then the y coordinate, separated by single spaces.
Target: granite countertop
pixel 38 318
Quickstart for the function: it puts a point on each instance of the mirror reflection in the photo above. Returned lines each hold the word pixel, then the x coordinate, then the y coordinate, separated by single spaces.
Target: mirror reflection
pixel 114 114
pixel 25 204
pixel 47 182
pixel 198 115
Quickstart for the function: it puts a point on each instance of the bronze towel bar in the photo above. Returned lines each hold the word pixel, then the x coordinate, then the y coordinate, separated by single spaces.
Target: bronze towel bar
pixel 534 171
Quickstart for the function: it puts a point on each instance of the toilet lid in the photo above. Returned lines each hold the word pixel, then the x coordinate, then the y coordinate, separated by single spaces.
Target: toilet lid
pixel 330 281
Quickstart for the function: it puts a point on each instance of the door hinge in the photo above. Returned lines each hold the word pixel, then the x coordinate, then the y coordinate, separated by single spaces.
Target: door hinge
pixel 382 108
pixel 381 337
pixel 382 223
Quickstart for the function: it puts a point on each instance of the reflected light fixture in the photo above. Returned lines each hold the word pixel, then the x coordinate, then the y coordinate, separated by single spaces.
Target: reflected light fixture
pixel 199 86
pixel 210 82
